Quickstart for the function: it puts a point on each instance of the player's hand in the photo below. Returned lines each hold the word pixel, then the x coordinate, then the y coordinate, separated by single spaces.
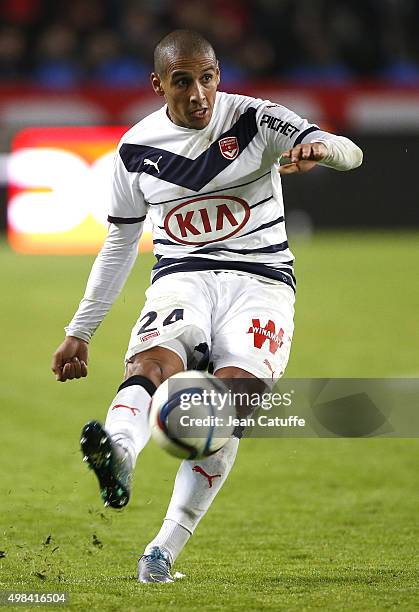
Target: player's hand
pixel 70 359
pixel 303 157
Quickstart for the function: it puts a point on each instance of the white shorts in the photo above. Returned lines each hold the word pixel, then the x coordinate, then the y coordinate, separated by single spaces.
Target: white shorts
pixel 229 318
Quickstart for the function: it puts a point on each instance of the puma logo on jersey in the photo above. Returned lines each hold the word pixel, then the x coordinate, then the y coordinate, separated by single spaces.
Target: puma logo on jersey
pixel 148 162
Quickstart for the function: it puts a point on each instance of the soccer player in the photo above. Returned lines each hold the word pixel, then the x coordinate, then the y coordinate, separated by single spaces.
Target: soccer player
pixel 205 169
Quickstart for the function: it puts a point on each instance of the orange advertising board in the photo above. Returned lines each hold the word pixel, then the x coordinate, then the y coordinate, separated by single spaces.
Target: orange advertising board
pixel 59 189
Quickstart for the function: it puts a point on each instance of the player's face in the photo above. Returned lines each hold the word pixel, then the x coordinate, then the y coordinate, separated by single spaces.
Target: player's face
pixel 189 86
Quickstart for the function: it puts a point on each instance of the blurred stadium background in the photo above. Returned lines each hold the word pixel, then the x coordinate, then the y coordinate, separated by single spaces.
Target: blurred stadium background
pixel 351 66
pixel 332 524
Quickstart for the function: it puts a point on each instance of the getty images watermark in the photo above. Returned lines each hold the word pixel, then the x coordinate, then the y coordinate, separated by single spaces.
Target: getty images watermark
pixel 327 407
pixel 219 404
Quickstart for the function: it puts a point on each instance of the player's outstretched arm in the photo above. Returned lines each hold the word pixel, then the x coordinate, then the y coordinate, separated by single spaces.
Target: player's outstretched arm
pixel 70 359
pixel 332 151
pixel 303 157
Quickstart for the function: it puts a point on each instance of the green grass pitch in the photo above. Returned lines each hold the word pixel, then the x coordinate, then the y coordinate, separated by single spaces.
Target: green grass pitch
pixel 301 524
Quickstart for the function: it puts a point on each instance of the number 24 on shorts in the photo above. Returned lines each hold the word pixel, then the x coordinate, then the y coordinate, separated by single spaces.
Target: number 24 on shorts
pixel 150 317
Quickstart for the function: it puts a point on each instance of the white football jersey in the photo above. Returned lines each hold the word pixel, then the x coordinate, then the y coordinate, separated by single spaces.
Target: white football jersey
pixel 214 195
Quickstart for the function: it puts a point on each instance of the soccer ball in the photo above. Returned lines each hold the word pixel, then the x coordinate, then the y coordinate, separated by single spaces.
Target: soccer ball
pixel 191 415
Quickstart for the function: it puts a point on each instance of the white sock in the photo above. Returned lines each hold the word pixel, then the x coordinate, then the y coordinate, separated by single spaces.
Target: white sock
pixel 172 537
pixel 127 419
pixel 196 485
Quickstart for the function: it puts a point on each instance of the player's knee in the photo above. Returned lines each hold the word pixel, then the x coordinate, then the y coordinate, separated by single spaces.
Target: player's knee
pixel 157 364
pixel 246 386
pixel 233 372
pixel 145 367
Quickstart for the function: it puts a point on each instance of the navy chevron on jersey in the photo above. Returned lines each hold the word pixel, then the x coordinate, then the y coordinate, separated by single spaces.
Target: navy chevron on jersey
pixel 214 195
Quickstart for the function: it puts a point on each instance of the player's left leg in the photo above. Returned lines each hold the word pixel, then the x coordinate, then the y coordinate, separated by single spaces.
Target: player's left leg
pixel 251 339
pixel 196 486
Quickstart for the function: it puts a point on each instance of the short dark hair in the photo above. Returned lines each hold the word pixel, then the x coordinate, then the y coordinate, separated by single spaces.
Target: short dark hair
pixel 185 42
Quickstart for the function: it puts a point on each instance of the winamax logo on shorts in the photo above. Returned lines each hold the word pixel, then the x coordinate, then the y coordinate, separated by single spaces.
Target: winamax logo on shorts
pixel 266 334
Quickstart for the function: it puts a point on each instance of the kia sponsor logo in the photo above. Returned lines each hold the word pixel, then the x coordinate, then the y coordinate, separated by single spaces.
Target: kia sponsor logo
pixel 207 219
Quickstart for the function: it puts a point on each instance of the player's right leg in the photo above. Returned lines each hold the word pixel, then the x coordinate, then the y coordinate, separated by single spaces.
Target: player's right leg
pixel 111 451
pixel 169 334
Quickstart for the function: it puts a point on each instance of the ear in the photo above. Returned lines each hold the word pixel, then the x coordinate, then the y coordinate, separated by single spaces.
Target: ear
pixel 218 73
pixel 156 84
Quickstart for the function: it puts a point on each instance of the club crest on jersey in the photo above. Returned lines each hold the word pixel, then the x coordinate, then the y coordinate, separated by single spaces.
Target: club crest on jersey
pixel 229 147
